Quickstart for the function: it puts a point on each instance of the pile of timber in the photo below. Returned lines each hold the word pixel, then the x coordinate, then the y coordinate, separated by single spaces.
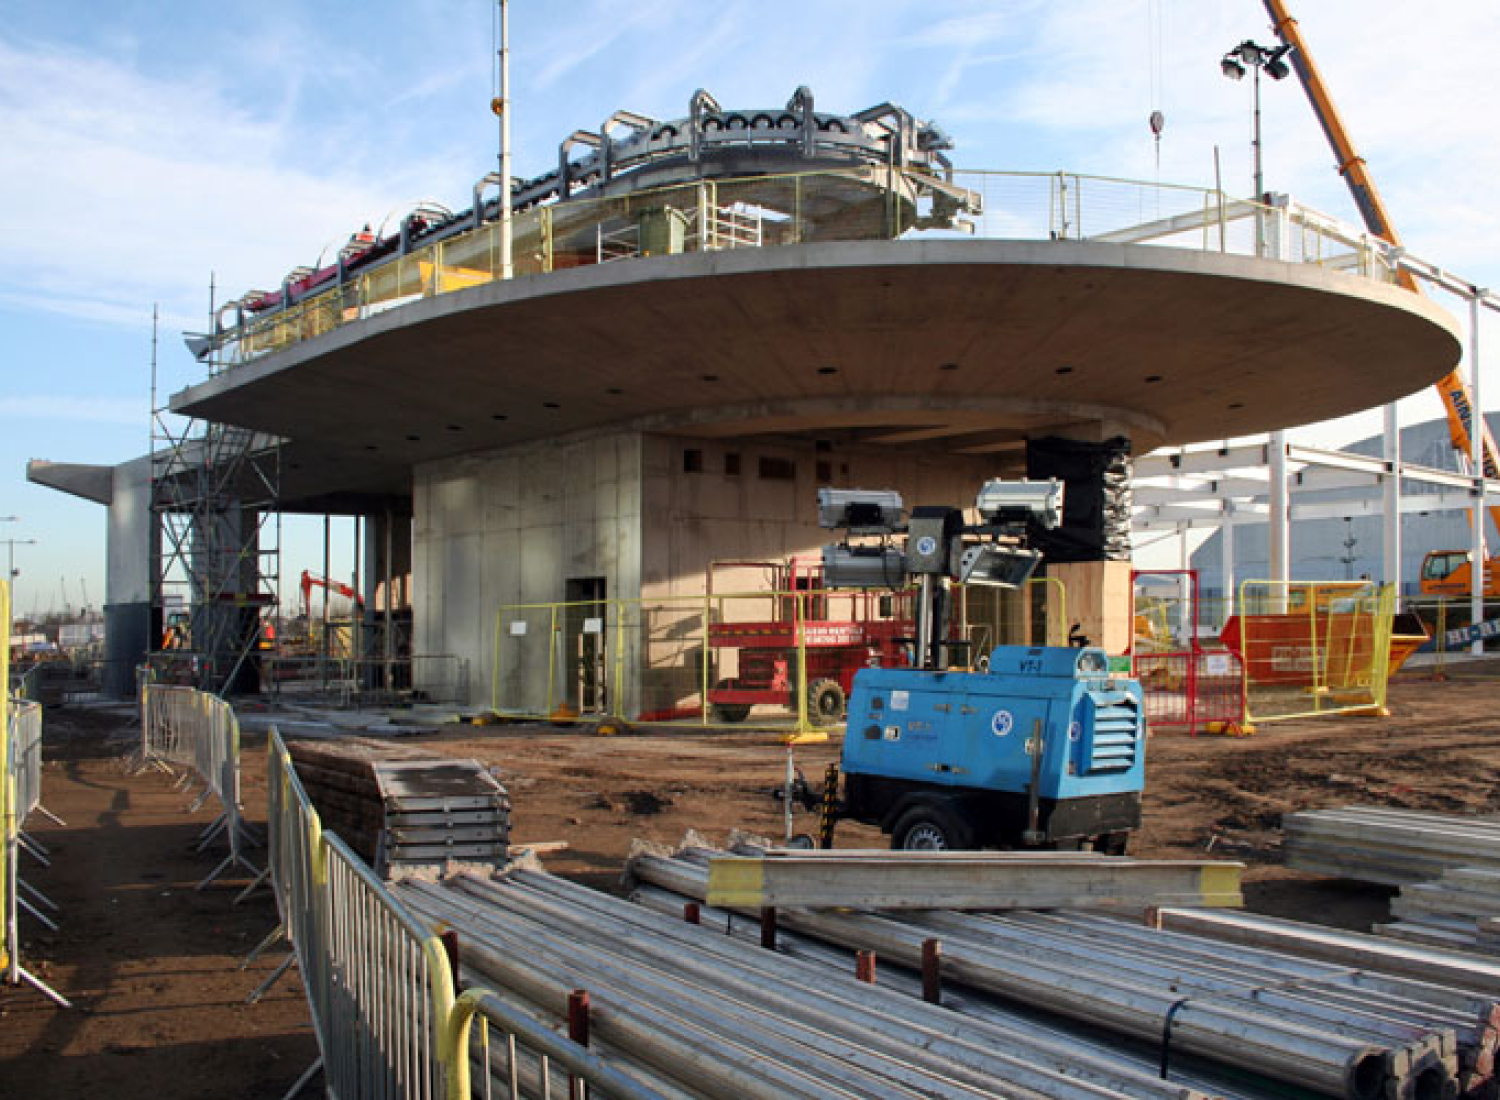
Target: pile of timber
pixel 1327 1027
pixel 1391 847
pixel 401 807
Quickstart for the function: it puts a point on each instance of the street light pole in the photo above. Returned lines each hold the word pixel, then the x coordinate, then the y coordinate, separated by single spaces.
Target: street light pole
pixel 10 563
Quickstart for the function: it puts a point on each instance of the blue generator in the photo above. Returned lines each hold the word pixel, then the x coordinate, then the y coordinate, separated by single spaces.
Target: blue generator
pixel 1039 747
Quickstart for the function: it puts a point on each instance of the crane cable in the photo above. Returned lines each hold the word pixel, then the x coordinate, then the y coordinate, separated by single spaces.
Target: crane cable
pixel 1154 51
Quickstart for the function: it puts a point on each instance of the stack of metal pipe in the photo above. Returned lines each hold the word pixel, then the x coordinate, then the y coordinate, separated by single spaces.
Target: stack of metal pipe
pixel 1340 1032
pixel 1392 847
pixel 692 1013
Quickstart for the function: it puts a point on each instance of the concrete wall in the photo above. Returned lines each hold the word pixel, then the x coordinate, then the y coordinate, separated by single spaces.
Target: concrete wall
pixel 709 514
pixel 511 527
pixel 132 546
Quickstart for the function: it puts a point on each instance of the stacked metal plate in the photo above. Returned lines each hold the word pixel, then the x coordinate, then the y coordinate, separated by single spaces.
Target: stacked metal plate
pixel 439 812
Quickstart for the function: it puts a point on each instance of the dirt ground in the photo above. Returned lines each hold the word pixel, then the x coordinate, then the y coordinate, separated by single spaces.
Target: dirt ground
pixel 151 965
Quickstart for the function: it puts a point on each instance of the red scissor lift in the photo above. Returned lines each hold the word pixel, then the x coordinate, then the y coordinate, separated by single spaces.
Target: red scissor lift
pixel 842 632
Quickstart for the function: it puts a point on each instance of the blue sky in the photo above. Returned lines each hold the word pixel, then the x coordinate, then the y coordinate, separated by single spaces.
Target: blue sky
pixel 147 145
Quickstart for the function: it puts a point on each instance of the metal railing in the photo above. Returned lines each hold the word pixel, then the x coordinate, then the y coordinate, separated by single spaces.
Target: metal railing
pixel 195 730
pixel 380 986
pixel 20 794
pixel 774 210
pixel 367 681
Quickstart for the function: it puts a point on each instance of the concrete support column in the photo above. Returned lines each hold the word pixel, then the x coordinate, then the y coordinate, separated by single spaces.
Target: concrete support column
pixel 387 581
pixel 1226 547
pixel 1280 523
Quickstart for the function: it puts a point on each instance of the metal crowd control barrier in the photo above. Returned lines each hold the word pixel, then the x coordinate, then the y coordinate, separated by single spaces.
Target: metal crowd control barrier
pixel 380 987
pixel 1313 648
pixel 524 1032
pixel 198 731
pixel 20 792
pixel 1189 678
pixel 779 660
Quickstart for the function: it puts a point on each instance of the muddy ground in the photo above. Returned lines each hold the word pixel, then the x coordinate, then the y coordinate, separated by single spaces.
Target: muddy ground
pixel 150 964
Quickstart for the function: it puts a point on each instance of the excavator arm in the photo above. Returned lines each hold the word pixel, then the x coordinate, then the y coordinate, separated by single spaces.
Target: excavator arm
pixel 1453 388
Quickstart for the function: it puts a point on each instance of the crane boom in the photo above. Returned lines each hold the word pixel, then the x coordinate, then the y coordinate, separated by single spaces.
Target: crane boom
pixel 1453 388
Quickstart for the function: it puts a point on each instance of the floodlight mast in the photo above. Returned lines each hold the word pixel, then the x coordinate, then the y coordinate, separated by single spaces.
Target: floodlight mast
pixel 935 549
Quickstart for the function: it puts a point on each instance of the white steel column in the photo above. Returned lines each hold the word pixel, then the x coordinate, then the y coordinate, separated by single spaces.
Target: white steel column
pixel 1280 533
pixel 1476 441
pixel 1226 547
pixel 1391 512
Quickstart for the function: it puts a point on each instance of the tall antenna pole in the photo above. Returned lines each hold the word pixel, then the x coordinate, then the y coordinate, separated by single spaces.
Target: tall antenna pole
pixel 505 239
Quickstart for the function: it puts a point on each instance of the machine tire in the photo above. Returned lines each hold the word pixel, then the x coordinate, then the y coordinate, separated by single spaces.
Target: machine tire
pixel 825 702
pixel 728 712
pixel 931 828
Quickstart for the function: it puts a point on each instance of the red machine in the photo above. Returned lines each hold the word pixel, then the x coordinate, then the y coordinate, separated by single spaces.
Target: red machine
pixel 309 580
pixel 842 632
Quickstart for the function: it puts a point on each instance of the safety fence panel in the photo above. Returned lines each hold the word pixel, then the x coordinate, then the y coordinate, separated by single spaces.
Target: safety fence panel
pixel 527 649
pixel 381 988
pixel 1189 678
pixel 1312 648
pixel 25 754
pixel 193 729
pixel 781 660
pixel 986 616
pixel 1436 635
pixel 20 794
pixel 389 988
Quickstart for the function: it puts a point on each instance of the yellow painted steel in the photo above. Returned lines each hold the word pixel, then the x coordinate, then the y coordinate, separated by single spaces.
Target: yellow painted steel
pixel 1219 885
pixel 736 883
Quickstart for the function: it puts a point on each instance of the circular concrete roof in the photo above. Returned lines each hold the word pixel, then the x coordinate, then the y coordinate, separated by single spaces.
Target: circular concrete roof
pixel 964 345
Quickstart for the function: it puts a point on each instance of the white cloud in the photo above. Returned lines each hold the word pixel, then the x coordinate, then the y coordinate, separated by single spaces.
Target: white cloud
pixel 134 189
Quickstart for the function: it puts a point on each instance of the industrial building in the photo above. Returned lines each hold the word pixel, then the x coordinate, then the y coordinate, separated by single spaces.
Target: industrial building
pixel 697 324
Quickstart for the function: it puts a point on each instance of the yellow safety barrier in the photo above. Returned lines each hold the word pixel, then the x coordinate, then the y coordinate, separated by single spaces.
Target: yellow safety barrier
pixel 779 660
pixel 1313 648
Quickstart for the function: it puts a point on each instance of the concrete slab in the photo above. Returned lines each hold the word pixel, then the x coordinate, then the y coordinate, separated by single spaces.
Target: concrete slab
pixel 965 345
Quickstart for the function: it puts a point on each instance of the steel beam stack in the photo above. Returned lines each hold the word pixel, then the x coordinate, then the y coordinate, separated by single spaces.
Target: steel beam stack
pixel 693 1013
pixel 1449 912
pixel 1392 847
pixel 1337 1031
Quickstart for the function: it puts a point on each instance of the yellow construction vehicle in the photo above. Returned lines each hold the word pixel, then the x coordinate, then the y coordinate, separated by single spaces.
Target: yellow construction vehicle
pixel 1445 572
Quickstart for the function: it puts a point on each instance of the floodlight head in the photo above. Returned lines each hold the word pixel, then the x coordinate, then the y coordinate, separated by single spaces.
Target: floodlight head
pixel 1275 65
pixel 1008 503
pixel 863 567
pixel 860 511
pixel 1231 68
pixel 1000 566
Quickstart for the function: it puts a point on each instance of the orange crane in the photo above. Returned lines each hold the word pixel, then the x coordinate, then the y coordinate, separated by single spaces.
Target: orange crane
pixel 1443 572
